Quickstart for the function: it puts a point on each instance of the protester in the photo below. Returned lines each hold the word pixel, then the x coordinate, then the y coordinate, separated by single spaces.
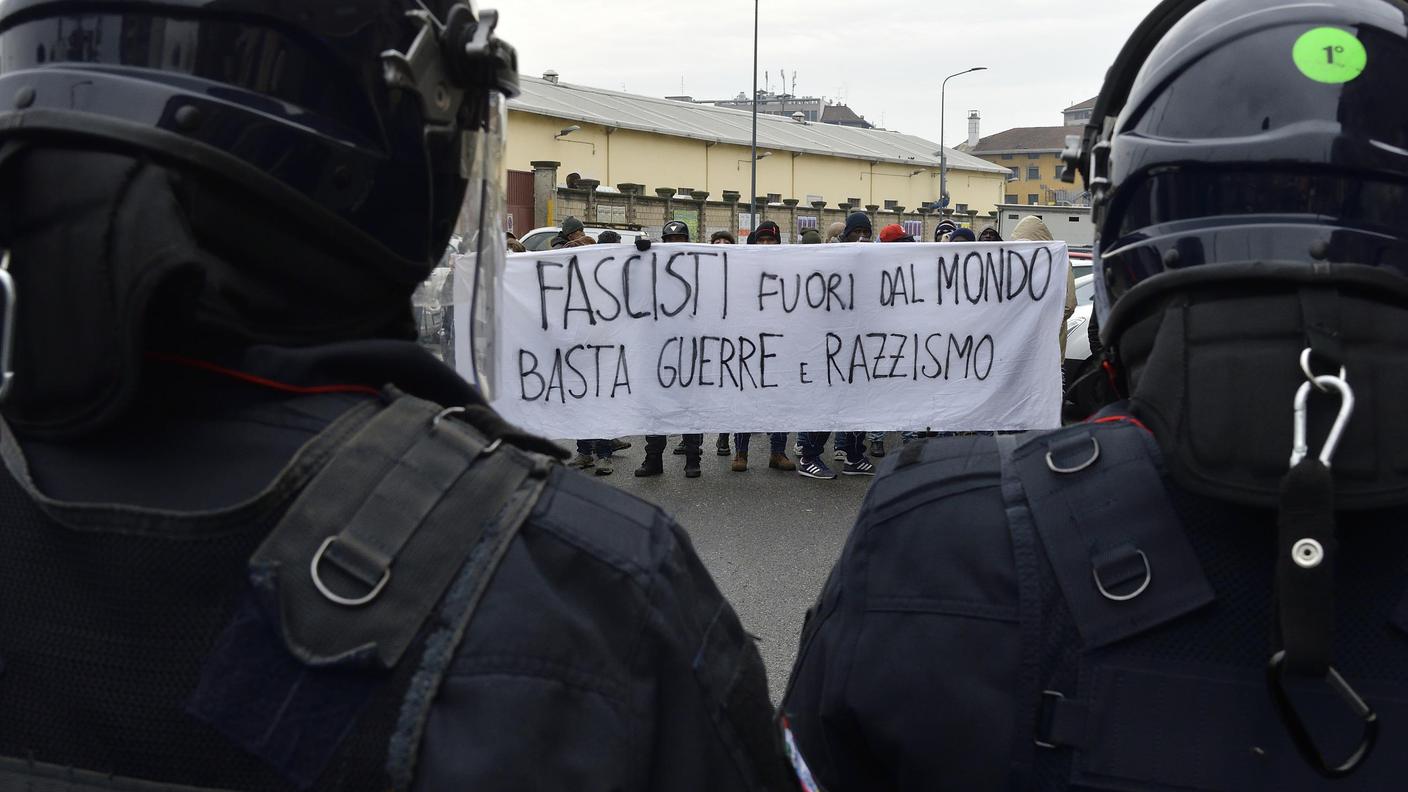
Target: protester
pixel 597 453
pixel 811 445
pixel 989 234
pixel 943 229
pixel 594 454
pixel 894 232
pixel 675 231
pixel 811 236
pixel 849 446
pixel 514 246
pixel 857 228
pixel 1032 229
pixel 723 238
pixel 690 445
pixel 962 234
pixel 767 233
pixel 572 234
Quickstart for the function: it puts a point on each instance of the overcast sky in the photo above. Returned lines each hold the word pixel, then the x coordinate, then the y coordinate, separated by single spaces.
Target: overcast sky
pixel 1042 55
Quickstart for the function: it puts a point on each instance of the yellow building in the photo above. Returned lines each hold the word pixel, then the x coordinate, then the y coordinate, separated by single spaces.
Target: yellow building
pixel 621 138
pixel 1032 157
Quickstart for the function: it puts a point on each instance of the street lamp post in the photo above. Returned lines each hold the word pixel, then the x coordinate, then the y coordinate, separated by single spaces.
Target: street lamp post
pixel 753 193
pixel 943 155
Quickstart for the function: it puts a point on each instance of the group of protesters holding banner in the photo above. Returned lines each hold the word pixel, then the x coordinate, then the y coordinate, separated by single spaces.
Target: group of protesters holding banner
pixel 850 448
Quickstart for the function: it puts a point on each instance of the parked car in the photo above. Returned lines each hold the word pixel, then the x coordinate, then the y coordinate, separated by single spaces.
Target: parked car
pixel 541 238
pixel 1081 261
pixel 1086 385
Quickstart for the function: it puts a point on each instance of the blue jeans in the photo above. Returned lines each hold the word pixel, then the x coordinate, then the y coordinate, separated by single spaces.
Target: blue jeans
pixel 777 442
pixel 853 443
pixel 599 448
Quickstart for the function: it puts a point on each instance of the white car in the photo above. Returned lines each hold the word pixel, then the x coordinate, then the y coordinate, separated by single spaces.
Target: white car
pixel 1077 334
pixel 541 238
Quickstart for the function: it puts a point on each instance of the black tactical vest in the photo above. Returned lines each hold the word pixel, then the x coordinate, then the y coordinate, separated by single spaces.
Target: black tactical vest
pixel 292 642
pixel 1146 621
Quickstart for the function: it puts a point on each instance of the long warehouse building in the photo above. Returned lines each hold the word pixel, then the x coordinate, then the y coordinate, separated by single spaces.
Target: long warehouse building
pixel 617 138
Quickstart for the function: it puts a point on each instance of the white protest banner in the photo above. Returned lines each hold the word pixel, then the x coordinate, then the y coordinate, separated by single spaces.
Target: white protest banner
pixel 605 340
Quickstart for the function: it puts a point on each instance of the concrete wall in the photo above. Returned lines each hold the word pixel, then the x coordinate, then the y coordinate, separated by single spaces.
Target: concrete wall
pixel 657 160
pixel 707 212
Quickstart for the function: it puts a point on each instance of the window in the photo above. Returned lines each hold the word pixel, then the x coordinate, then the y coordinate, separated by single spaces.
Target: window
pixel 1031 199
pixel 1016 174
pixel 1060 166
pixel 1074 219
pixel 1010 198
pixel 1033 171
pixel 1007 156
pixel 961 208
pixel 1012 216
pixel 1033 156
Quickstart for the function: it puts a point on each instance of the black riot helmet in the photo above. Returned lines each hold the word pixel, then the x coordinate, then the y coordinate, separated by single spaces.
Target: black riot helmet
pixel 1238 138
pixel 675 231
pixel 1248 172
pixel 349 116
pixel 1248 168
pixel 256 171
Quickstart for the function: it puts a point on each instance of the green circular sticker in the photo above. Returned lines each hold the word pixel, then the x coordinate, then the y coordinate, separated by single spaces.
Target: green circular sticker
pixel 1329 55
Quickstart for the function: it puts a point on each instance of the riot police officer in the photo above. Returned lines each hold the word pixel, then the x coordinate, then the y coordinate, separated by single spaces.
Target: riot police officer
pixel 1201 588
pixel 251 537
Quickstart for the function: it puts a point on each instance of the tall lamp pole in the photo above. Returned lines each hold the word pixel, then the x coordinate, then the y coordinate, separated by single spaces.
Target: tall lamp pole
pixel 753 193
pixel 943 154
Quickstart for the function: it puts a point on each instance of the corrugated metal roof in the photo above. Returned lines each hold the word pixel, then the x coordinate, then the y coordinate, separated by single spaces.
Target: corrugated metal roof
pixel 721 124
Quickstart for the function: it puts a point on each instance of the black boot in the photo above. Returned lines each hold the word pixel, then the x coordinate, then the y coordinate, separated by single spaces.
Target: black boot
pixel 691 463
pixel 722 445
pixel 653 465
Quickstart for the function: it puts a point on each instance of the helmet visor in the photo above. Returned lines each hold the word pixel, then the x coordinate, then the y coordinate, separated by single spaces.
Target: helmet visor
pixel 1187 217
pixel 456 306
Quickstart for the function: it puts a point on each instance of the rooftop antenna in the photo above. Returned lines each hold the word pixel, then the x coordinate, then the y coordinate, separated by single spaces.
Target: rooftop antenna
pixel 767 81
pixel 794 82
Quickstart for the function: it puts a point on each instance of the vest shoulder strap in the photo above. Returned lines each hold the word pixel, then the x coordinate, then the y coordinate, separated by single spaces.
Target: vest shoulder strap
pixel 361 594
pixel 1114 540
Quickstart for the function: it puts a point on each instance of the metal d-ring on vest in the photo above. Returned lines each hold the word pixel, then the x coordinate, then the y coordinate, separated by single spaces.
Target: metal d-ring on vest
pixel 1304 596
pixel 385 577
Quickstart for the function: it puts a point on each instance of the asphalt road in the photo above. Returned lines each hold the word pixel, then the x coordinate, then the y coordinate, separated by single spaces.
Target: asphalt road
pixel 768 537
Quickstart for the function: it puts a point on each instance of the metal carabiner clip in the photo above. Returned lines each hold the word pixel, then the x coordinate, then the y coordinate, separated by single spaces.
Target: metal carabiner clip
pixel 1300 735
pixel 1299 447
pixel 7 325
